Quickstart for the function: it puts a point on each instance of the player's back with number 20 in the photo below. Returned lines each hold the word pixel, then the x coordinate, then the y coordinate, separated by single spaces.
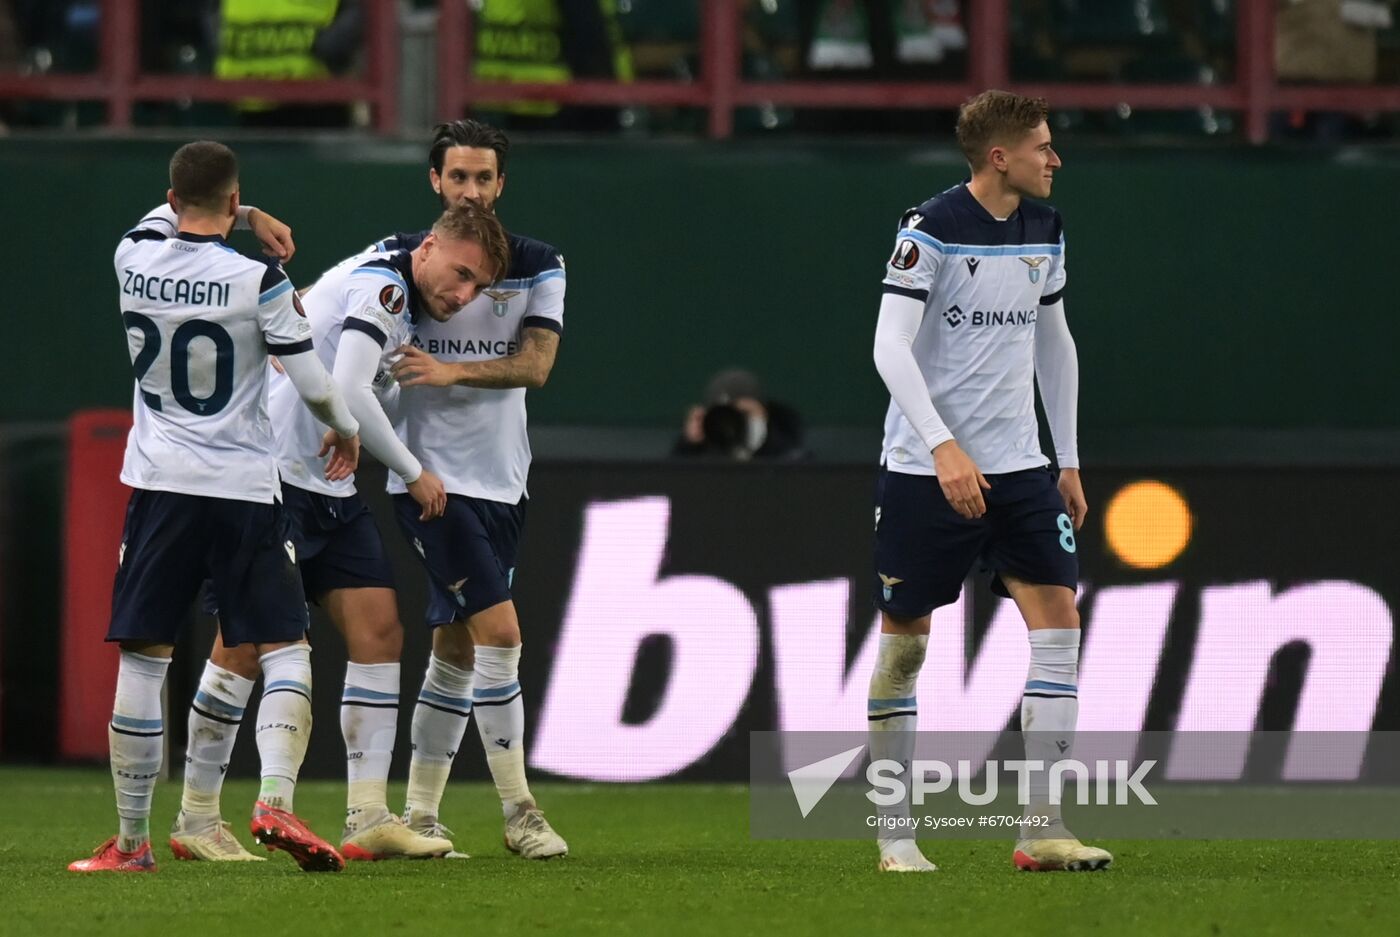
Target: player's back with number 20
pixel 201 320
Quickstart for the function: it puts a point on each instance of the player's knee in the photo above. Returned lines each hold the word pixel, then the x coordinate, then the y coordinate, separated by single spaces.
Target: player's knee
pixel 496 626
pixel 461 658
pixel 452 643
pixel 379 642
pixel 904 656
pixel 498 636
pixel 1060 616
pixel 241 659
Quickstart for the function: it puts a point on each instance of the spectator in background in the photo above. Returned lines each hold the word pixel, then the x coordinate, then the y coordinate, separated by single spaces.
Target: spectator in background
pixel 880 40
pixel 1327 41
pixel 289 39
pixel 736 421
pixel 880 35
pixel 550 42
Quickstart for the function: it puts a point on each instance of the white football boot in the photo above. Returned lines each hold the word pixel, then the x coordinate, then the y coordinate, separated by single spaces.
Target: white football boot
pixel 388 837
pixel 428 825
pixel 903 855
pixel 207 843
pixel 529 835
pixel 1063 853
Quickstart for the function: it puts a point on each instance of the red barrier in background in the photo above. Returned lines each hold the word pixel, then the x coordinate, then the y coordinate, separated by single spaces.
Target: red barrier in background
pixel 1254 91
pixel 94 512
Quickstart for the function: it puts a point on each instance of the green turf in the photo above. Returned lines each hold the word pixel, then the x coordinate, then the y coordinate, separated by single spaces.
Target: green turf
pixel 672 859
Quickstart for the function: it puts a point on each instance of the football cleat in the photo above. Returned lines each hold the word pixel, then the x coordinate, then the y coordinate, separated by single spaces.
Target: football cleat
pixel 210 843
pixel 903 855
pixel 428 825
pixel 391 838
pixel 278 829
pixel 529 835
pixel 108 858
pixel 1059 855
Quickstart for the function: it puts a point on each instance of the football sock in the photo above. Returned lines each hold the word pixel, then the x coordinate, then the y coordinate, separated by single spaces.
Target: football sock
pixel 1049 711
pixel 215 716
pixel 500 718
pixel 893 714
pixel 439 721
pixel 369 719
pixel 284 722
pixel 136 739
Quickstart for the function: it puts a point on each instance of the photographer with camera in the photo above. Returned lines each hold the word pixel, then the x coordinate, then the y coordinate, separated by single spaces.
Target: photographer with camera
pixel 737 422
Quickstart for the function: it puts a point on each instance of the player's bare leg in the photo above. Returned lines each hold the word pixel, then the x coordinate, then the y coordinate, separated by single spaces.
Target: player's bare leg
pixel 500 718
pixel 369 713
pixel 200 831
pixel 136 738
pixel 439 722
pixel 893 712
pixel 1049 714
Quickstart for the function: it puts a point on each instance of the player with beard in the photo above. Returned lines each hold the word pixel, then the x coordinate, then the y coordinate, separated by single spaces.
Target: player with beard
pixel 463 411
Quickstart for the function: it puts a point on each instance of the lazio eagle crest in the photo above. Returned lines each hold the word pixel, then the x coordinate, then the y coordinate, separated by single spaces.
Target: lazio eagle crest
pixel 1034 264
pixel 500 300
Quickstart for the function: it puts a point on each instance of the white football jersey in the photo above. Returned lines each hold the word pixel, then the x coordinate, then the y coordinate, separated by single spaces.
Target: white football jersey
pixel 982 282
pixel 201 320
pixel 475 438
pixel 369 292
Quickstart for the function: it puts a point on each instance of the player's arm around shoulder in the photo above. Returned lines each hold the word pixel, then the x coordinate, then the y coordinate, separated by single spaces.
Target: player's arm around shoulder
pixel 540 348
pixel 543 325
pixel 274 235
pixel 529 367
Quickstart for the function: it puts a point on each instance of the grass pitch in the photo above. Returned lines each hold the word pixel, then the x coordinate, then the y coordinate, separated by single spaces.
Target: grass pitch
pixel 673 859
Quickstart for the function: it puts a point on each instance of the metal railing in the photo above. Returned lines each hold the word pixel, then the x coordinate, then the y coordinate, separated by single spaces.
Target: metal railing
pixel 1254 93
pixel 720 89
pixel 119 83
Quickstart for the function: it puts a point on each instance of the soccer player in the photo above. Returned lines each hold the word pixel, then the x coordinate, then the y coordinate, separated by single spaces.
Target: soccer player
pixel 463 411
pixel 201 320
pixel 971 321
pixel 360 312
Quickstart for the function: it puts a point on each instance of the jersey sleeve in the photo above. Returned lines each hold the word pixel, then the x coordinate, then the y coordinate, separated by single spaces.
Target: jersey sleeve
pixel 160 219
pixel 280 317
pixel 1055 281
pixel 156 225
pixel 376 302
pixel 913 267
pixel 546 307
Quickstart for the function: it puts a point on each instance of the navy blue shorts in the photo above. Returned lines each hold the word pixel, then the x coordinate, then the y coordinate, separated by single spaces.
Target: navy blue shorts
pixel 924 550
pixel 337 542
pixel 172 542
pixel 469 553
